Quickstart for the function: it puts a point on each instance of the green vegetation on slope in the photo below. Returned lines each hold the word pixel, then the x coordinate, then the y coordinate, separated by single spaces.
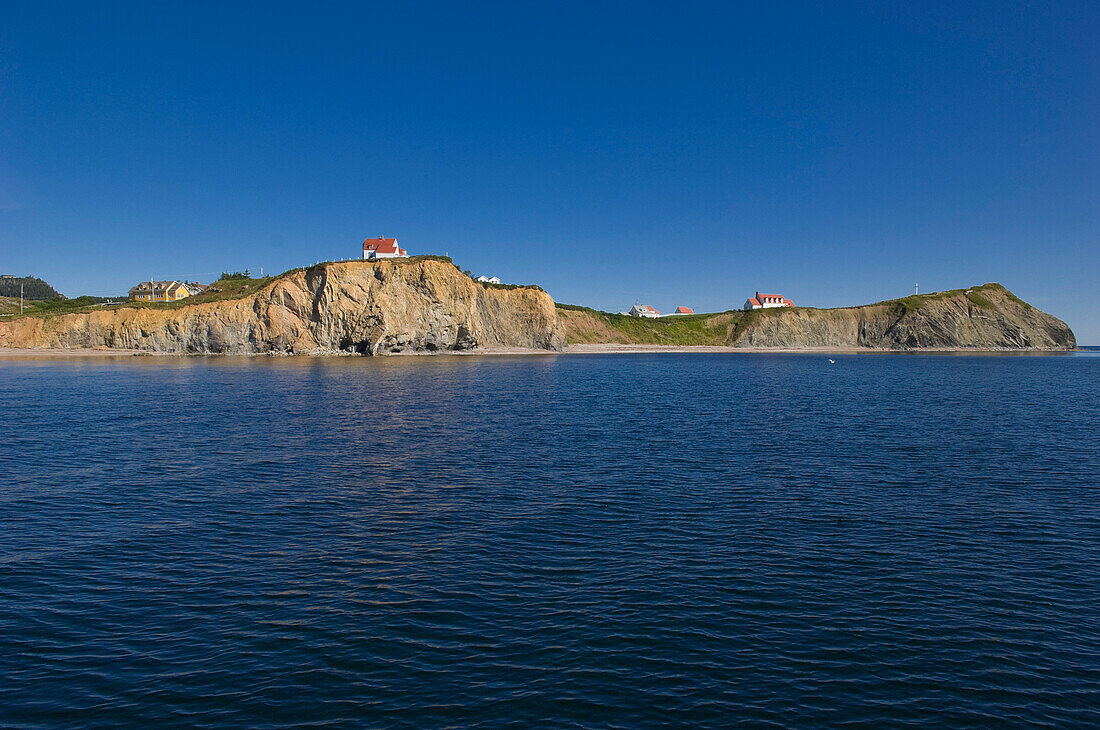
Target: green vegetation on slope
pixel 491 285
pixel 589 326
pixel 976 295
pixel 33 288
pixel 231 285
pixel 9 306
pixel 71 305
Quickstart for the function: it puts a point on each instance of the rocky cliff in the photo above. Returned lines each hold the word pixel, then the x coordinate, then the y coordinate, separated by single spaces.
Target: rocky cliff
pixel 425 305
pixel 988 317
pixel 357 306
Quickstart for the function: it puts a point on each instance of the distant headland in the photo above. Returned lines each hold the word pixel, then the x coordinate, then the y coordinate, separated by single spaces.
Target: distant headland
pixel 987 317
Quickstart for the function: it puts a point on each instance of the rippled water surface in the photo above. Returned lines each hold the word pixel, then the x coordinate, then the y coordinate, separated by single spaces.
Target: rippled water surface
pixel 582 540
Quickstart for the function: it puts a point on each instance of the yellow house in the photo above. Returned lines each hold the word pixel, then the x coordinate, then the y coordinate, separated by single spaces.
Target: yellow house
pixel 160 291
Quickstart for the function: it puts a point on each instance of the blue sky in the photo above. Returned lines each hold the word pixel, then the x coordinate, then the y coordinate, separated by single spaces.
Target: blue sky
pixel 673 154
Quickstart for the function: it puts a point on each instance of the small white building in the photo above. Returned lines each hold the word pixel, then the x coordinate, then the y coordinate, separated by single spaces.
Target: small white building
pixel 767 301
pixel 643 310
pixel 680 311
pixel 383 248
pixel 488 279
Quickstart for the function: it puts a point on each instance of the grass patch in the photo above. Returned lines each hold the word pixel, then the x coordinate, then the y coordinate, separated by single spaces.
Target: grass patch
pixel 491 285
pixel 229 286
pixel 61 305
pixel 746 320
pixel 590 326
pixel 418 259
pixel 1006 293
pixel 975 297
pixel 50 307
pixel 906 305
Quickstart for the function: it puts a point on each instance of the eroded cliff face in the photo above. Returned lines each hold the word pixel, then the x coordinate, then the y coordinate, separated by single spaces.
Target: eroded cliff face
pixel 364 307
pixel 983 318
pixel 987 317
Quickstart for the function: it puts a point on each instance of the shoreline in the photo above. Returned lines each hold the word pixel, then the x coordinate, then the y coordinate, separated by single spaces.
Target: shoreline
pixel 578 349
pixel 620 349
pixel 835 350
pixel 6 352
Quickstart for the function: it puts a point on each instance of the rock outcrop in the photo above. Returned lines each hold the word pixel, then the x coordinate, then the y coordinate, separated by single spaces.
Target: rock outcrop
pixel 983 318
pixel 363 307
pixel 988 317
pixel 428 305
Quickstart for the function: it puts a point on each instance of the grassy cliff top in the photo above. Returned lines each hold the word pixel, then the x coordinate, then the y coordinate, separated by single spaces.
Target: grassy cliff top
pixel 590 326
pixel 235 285
pixel 977 295
pixel 9 306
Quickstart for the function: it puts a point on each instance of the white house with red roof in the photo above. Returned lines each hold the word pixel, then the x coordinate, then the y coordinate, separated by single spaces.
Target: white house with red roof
pixel 643 310
pixel 383 248
pixel 767 301
pixel 681 310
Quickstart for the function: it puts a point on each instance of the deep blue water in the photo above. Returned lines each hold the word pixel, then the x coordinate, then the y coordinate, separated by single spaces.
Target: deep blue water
pixel 582 540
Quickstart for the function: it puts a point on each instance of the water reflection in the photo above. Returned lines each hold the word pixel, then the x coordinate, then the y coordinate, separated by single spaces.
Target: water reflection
pixel 449 540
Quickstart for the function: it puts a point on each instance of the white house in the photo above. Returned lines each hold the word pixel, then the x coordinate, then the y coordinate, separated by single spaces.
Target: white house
pixel 383 248
pixel 643 310
pixel 488 279
pixel 767 301
pixel 681 310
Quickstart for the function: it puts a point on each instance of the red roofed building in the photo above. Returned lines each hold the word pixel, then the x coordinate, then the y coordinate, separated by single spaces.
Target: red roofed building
pixel 767 301
pixel 383 248
pixel 683 310
pixel 643 310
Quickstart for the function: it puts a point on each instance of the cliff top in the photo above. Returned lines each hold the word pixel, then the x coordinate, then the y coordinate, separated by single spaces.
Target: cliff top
pixel 987 316
pixel 428 303
pixel 230 286
pixel 350 307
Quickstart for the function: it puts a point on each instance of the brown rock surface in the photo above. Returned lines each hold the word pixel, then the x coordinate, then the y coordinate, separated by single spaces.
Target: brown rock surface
pixel 364 307
pixel 987 318
pixel 983 318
